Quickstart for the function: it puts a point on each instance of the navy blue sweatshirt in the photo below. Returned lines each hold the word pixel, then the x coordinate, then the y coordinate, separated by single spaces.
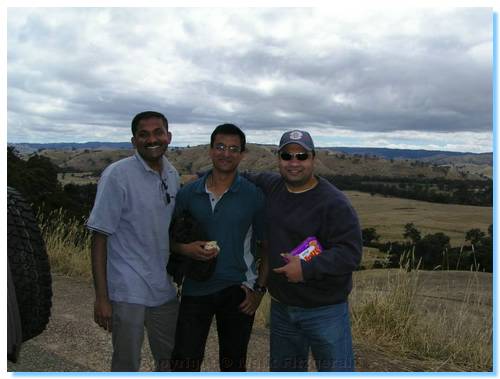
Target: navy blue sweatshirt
pixel 323 212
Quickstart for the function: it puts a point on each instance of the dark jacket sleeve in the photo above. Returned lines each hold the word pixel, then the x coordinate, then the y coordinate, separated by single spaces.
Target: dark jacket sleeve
pixel 343 246
pixel 263 180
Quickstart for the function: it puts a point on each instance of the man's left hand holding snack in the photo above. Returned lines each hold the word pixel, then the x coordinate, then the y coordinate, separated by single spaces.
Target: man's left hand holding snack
pixel 292 270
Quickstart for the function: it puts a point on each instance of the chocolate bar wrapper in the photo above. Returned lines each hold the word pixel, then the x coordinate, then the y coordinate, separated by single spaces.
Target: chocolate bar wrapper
pixel 306 250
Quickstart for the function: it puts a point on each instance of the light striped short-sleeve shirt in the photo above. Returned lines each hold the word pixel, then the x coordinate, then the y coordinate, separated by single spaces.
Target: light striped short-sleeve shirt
pixel 131 208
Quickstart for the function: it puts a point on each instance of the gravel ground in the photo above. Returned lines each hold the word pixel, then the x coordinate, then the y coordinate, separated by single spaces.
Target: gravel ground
pixel 73 342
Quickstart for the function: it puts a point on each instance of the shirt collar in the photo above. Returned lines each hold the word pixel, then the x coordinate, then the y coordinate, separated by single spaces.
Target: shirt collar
pixel 235 186
pixel 165 166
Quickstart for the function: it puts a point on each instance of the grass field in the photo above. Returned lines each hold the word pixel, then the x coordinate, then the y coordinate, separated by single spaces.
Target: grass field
pixel 79 178
pixel 388 215
pixel 444 316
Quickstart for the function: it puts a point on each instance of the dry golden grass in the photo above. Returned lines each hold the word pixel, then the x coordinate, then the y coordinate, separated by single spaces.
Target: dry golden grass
pixel 370 256
pixel 78 178
pixel 66 256
pixel 388 215
pixel 441 316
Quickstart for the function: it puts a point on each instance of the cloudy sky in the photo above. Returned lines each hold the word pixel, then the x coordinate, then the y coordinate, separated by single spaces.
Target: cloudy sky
pixel 399 78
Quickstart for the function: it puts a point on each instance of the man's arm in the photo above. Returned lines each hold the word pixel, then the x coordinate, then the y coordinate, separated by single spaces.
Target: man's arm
pixel 263 264
pixel 344 246
pixel 253 298
pixel 102 305
pixel 264 180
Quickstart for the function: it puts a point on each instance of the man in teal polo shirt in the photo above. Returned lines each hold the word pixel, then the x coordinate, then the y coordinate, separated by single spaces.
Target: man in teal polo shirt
pixel 230 210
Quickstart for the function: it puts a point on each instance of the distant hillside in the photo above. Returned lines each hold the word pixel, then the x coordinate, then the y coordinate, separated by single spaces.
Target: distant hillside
pixel 396 153
pixel 262 157
pixel 433 156
pixel 468 158
pixel 29 148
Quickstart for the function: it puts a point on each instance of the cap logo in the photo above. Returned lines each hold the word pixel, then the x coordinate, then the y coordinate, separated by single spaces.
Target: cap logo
pixel 295 135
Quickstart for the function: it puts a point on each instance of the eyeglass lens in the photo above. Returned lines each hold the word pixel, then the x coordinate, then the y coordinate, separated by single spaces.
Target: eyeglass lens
pixel 232 149
pixel 286 156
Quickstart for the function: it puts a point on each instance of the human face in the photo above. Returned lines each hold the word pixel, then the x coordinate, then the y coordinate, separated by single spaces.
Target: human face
pixel 296 173
pixel 225 160
pixel 151 140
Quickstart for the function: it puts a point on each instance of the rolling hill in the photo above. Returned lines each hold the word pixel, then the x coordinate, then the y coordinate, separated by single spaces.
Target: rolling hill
pixel 189 160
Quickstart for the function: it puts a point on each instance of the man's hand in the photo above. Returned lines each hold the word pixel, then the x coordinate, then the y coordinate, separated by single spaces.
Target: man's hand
pixel 292 270
pixel 196 250
pixel 102 314
pixel 251 302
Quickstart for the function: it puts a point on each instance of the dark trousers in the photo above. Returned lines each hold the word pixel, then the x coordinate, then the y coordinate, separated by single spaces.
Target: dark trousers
pixel 233 328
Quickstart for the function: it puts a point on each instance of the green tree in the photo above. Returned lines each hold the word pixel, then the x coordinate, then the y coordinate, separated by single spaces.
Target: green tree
pixel 474 236
pixel 431 248
pixel 369 235
pixel 412 233
pixel 36 179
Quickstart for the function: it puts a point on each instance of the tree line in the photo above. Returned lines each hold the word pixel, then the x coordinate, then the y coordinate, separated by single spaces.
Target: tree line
pixel 437 190
pixel 433 251
pixel 36 180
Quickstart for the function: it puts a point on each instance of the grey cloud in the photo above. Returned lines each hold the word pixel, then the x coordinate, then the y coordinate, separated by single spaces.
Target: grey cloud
pixel 422 82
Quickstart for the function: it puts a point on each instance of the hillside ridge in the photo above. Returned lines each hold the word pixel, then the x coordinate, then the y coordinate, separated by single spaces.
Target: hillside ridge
pixel 190 160
pixel 388 153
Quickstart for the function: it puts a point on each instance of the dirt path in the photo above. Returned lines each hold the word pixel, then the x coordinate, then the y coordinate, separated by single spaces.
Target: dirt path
pixel 72 342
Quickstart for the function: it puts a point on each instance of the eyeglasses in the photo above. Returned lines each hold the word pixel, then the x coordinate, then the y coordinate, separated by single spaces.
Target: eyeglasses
pixel 164 188
pixel 232 149
pixel 286 156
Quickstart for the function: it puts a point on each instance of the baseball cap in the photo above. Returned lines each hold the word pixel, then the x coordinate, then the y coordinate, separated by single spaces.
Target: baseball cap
pixel 299 137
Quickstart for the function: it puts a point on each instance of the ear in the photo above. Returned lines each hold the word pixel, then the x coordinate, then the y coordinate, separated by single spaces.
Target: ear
pixel 169 137
pixel 133 141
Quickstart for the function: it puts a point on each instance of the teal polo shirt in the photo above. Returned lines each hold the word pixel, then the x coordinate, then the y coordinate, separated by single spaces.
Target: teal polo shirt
pixel 236 222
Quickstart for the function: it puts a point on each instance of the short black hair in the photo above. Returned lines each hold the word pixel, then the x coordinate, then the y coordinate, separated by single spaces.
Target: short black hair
pixel 145 115
pixel 229 129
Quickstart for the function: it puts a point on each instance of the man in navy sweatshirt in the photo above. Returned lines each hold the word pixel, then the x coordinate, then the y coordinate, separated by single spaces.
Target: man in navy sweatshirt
pixel 309 309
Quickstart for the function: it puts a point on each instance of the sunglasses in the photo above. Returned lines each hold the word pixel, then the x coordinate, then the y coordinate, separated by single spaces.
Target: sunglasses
pixel 286 156
pixel 168 197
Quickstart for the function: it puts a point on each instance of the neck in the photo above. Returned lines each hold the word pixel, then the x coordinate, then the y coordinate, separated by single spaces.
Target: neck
pixel 219 182
pixel 155 165
pixel 309 185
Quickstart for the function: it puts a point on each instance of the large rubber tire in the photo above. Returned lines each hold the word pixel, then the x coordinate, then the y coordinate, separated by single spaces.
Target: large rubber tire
pixel 29 265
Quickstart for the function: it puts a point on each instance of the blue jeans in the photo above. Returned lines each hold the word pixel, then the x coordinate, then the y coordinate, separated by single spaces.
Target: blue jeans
pixel 325 330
